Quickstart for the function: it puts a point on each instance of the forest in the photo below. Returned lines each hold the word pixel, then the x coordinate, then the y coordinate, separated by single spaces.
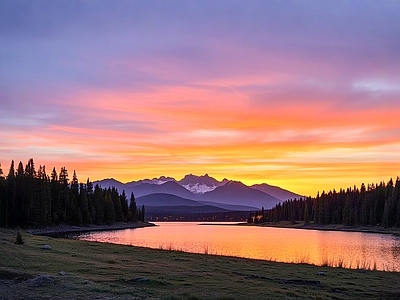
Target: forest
pixel 31 198
pixel 374 204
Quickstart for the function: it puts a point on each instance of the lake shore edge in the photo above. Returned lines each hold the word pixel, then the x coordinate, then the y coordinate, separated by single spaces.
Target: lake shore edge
pixel 77 269
pixel 65 229
pixel 328 227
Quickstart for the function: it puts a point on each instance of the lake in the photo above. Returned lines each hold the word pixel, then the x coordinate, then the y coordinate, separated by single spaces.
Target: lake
pixel 333 248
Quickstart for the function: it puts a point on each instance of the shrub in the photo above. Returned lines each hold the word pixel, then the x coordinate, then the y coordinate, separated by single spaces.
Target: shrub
pixel 19 240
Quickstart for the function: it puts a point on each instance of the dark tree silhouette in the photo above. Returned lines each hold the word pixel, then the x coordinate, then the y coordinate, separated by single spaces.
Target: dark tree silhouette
pixel 374 204
pixel 31 198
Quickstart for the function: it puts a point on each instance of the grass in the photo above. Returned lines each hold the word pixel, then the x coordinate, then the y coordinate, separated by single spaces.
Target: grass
pixel 87 270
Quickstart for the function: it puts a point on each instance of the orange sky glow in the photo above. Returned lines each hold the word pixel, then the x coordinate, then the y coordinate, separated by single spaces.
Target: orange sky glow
pixel 252 94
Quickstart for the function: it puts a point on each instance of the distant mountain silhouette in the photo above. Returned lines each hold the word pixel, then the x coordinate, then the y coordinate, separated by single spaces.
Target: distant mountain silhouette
pixel 206 190
pixel 165 203
pixel 110 182
pixel 237 193
pixel 162 199
pixel 158 181
pixel 230 207
pixel 184 209
pixel 170 187
pixel 276 191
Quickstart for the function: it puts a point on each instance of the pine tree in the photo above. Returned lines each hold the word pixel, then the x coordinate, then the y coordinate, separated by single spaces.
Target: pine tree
pixel 75 185
pixel 348 215
pixel 56 207
pixel 292 215
pixel 89 187
pixel 10 196
pixel 124 204
pixel 2 197
pixel 316 209
pixel 63 178
pixel 109 215
pixel 84 205
pixel 133 216
pixel 42 203
pixel 306 214
pixel 117 204
pixel 54 176
pixel 22 196
pixel 30 169
pixel 380 198
pixel 73 208
pixel 142 214
pixel 396 197
pixel 98 203
pixel 385 218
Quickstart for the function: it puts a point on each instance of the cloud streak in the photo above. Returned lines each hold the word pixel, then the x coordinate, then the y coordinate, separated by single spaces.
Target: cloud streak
pixel 298 94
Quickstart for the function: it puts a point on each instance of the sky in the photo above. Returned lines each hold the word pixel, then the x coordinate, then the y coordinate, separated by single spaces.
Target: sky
pixel 300 94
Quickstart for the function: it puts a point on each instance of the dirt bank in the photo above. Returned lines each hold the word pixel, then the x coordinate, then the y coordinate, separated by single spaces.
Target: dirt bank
pixel 65 229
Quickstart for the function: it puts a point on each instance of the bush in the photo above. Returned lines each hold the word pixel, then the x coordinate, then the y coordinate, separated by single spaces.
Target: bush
pixel 19 240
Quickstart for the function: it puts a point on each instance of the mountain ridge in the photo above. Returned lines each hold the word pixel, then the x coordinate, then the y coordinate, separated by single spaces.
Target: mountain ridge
pixel 206 189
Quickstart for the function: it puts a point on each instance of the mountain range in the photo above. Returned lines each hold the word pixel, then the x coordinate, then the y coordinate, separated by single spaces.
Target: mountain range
pixel 199 194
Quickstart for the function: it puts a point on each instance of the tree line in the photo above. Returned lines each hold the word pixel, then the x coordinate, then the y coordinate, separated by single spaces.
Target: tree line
pixel 31 198
pixel 374 204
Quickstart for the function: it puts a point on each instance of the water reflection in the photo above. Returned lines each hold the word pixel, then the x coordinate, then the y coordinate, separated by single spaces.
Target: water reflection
pixel 333 248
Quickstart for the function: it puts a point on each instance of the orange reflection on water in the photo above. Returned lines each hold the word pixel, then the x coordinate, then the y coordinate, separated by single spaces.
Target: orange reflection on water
pixel 333 248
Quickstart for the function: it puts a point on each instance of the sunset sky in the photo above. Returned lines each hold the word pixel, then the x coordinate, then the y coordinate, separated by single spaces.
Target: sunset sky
pixel 300 94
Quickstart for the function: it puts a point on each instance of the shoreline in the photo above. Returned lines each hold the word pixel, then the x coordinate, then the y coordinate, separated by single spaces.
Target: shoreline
pixel 72 269
pixel 64 229
pixel 329 227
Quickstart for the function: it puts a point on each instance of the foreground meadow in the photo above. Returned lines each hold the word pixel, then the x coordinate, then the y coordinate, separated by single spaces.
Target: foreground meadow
pixel 73 269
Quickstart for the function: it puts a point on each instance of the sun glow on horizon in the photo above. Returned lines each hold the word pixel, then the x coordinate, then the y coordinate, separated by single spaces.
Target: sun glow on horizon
pixel 241 92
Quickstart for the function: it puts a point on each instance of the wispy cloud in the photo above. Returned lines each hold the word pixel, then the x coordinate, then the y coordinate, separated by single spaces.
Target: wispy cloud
pixel 299 94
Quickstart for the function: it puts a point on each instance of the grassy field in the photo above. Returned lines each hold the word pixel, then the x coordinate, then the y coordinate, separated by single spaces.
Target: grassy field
pixel 74 269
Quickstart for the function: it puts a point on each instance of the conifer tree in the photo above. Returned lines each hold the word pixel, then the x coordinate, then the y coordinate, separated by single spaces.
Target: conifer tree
pixel 90 196
pixel 54 176
pixel 142 213
pixel 306 214
pixel 42 203
pixel 22 196
pixel 73 207
pixel 124 204
pixel 30 169
pixel 89 187
pixel 98 203
pixel 133 215
pixel 84 205
pixel 115 198
pixel 55 189
pixel 10 196
pixel 75 186
pixel 316 209
pixel 2 197
pixel 109 214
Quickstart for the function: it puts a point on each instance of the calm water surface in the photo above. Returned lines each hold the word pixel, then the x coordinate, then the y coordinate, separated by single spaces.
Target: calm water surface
pixel 347 249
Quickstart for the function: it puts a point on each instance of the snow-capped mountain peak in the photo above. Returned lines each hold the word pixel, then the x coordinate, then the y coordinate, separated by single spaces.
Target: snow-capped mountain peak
pixel 199 184
pixel 156 181
pixel 199 188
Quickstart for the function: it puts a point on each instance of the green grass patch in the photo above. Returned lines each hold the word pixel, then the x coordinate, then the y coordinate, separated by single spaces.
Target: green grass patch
pixel 86 270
